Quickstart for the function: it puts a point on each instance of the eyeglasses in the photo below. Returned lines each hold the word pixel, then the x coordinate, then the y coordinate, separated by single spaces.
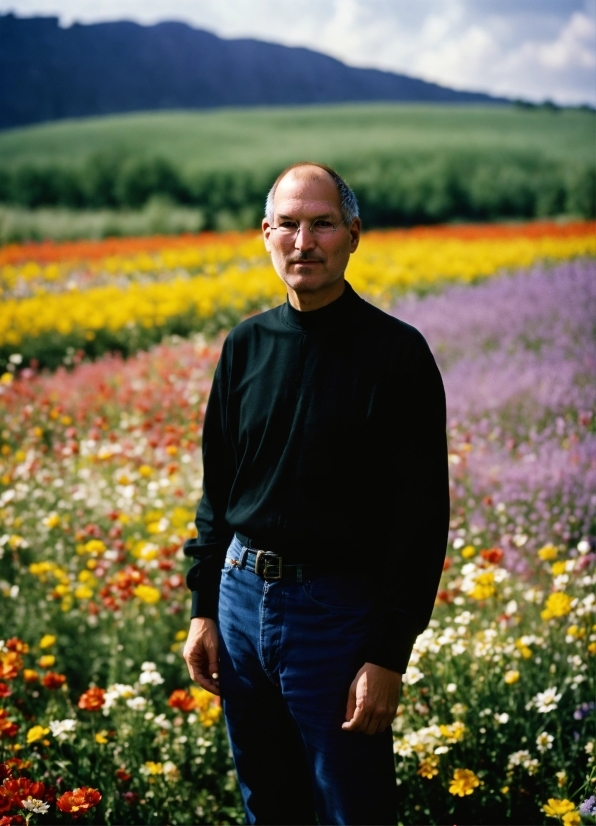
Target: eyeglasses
pixel 320 227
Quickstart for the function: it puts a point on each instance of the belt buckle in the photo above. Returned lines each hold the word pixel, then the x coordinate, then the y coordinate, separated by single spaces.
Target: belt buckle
pixel 263 565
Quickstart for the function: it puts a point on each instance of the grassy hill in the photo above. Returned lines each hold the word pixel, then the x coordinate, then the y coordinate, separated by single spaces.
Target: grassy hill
pixel 249 138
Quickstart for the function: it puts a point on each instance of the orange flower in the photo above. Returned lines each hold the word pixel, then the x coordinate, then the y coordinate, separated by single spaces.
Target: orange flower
pixel 79 801
pixel 30 676
pixel 492 555
pixel 7 727
pixel 15 644
pixel 10 665
pixel 123 775
pixel 181 699
pixel 92 700
pixel 53 680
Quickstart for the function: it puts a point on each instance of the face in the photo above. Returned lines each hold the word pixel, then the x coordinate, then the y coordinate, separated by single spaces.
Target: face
pixel 308 264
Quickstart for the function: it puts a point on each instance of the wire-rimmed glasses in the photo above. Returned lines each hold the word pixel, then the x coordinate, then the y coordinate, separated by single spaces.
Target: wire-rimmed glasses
pixel 320 227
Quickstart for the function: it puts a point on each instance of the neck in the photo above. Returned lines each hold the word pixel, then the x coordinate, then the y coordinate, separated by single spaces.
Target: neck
pixel 306 301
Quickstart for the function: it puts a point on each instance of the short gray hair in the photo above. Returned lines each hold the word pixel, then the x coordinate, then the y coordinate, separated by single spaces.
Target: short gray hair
pixel 347 198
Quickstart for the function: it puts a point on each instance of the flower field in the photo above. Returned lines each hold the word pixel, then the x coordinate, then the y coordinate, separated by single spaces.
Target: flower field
pixel 125 294
pixel 100 472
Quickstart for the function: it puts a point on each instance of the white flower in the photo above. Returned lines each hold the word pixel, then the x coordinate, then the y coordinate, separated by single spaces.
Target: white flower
pixel 151 678
pixel 583 547
pixel 162 721
pixel 412 675
pixel 502 718
pixel 170 769
pixel 523 758
pixel 62 728
pixel 544 741
pixel 451 687
pixel 136 703
pixel 441 749
pixel 34 805
pixel 114 692
pixel 546 701
pixel 147 666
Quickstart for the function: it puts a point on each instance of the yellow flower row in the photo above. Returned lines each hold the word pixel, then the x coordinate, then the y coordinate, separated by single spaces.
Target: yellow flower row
pixel 384 265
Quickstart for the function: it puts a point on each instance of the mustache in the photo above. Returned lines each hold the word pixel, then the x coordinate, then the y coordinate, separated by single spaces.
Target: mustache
pixel 304 257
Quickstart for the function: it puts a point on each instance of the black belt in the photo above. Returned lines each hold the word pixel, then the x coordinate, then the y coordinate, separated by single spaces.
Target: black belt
pixel 271 566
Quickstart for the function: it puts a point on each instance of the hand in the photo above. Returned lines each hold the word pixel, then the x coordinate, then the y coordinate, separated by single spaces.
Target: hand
pixel 201 653
pixel 372 700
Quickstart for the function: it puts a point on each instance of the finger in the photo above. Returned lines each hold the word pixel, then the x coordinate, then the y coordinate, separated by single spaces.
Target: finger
pixel 351 705
pixel 359 721
pixel 208 684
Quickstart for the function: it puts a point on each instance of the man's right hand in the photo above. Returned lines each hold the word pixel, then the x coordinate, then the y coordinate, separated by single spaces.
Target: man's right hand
pixel 201 653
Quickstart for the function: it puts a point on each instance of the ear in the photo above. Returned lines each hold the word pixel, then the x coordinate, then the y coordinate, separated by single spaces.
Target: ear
pixel 355 230
pixel 266 227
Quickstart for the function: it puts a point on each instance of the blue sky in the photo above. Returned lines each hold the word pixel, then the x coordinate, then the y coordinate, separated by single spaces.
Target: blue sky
pixel 535 49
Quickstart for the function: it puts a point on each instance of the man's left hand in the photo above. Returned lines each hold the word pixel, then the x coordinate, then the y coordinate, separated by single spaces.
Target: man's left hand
pixel 372 700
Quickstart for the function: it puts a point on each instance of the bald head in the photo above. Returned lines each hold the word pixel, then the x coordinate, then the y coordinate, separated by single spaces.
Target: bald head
pixel 299 176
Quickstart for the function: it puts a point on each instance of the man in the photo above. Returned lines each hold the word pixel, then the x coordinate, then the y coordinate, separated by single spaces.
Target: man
pixel 325 501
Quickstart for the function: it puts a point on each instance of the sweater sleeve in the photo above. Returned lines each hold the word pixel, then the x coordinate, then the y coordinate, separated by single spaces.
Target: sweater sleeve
pixel 214 533
pixel 418 502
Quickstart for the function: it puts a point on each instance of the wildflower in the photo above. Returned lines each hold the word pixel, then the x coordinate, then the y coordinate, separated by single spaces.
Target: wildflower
pixel 546 701
pixel 511 677
pixel 52 680
pixel 181 699
pixel 588 807
pixel 47 641
pixel 62 728
pixel 79 801
pixel 123 775
pixel 52 521
pixel 34 805
pixel 47 661
pixel 451 688
pixel 468 552
pixel 544 741
pixel 561 778
pixel 150 678
pixel 30 676
pixel 547 552
pixel 101 737
pixel 557 605
pixel 93 699
pixel 492 555
pixel 558 568
pixel 136 703
pixel 524 759
pixel 464 782
pixel 572 819
pixel 557 807
pixel 152 768
pixel 484 586
pixel 147 594
pixel 428 767
pixel 36 733
pixel 413 675
pixel 170 770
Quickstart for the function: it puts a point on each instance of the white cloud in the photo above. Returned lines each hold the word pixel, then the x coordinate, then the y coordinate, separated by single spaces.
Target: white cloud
pixel 522 48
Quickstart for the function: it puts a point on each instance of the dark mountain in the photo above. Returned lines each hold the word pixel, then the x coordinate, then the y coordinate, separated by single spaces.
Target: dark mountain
pixel 48 72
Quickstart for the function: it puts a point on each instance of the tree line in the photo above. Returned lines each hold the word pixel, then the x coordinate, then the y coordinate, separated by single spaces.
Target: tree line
pixel 392 191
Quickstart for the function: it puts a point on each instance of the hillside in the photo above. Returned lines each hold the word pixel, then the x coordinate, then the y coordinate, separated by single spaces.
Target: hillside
pixel 268 138
pixel 50 72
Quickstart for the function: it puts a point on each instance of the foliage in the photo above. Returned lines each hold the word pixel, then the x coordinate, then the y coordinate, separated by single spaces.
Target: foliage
pixel 71 300
pixel 100 472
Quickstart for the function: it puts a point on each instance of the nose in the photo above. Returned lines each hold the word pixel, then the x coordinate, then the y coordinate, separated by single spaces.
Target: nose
pixel 305 239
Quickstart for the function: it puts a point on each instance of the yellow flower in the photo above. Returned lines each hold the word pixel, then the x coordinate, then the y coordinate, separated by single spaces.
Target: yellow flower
pixel 36 733
pixel 428 767
pixel 47 641
pixel 153 768
pixel 101 737
pixel 181 635
pixel 557 807
pixel 561 777
pixel 145 470
pixel 484 586
pixel 464 782
pixel 505 790
pixel 559 567
pixel 557 605
pixel 511 677
pixel 454 732
pixel 147 593
pixel 468 552
pixel 47 661
pixel 6 378
pixel 572 819
pixel 592 648
pixel 94 546
pixel 52 521
pixel 548 552
pixel 83 592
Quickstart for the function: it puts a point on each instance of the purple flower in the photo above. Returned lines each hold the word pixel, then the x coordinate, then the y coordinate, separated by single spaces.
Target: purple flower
pixel 588 807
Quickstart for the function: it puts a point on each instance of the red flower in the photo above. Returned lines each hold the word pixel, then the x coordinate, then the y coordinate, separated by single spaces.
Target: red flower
pixel 5 690
pixel 123 775
pixel 14 790
pixel 181 699
pixel 79 801
pixel 10 665
pixel 492 555
pixel 18 764
pixel 12 820
pixel 92 700
pixel 53 680
pixel 7 727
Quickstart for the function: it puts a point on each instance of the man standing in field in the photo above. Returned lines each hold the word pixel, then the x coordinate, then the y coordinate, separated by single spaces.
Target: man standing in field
pixel 326 504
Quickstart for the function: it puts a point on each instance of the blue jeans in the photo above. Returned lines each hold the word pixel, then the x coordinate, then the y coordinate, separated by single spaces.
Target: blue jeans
pixel 288 653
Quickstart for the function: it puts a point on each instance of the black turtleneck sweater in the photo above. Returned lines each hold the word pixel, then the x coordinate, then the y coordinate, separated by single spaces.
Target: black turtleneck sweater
pixel 324 440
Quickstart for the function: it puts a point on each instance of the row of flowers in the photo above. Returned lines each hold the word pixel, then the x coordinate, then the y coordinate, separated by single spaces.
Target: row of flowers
pixel 191 283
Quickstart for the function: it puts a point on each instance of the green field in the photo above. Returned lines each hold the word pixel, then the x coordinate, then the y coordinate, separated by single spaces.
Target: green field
pixel 245 138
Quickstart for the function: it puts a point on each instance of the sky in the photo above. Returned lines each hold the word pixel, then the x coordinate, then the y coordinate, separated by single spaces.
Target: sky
pixel 532 49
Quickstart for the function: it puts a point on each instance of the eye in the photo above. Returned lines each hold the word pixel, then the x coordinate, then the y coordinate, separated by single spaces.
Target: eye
pixel 292 225
pixel 322 223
